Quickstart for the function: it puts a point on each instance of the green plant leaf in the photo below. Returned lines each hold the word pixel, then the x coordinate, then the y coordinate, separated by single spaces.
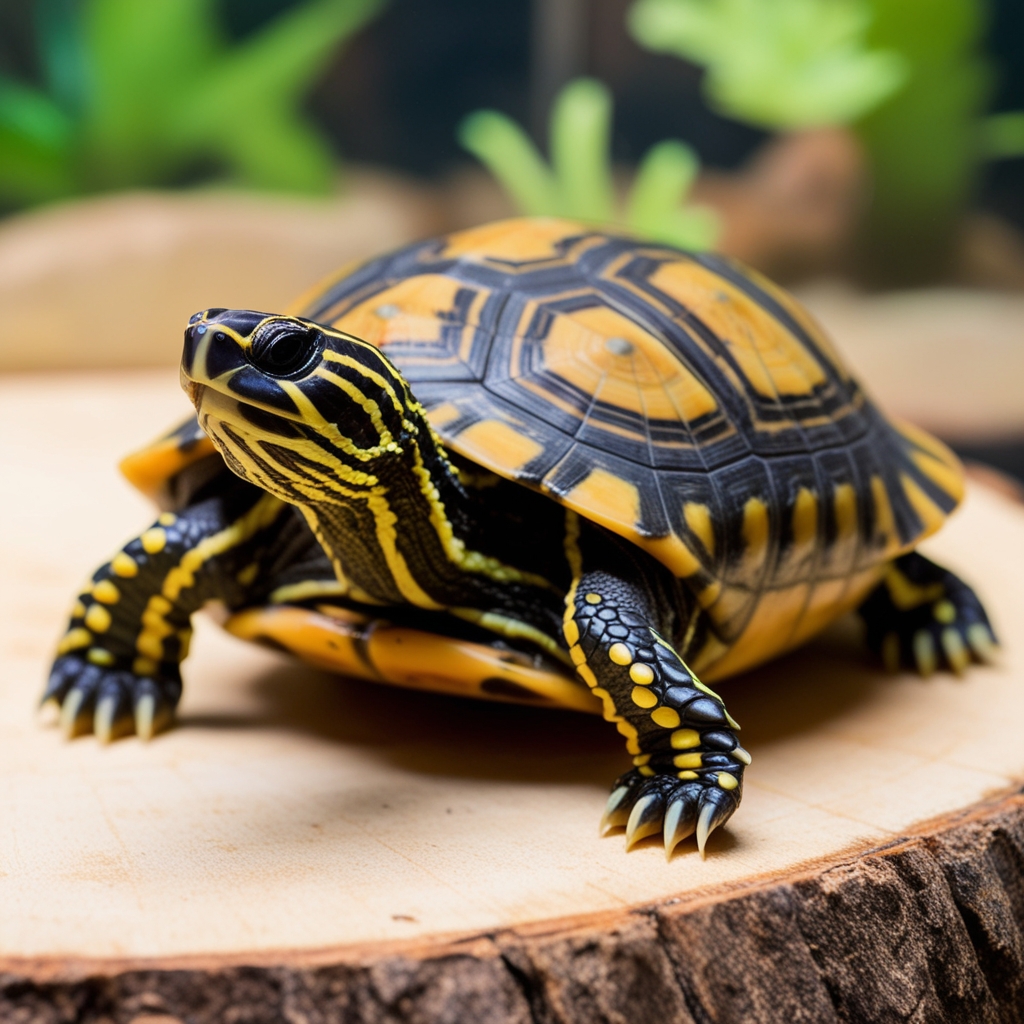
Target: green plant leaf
pixel 34 116
pixel 581 184
pixel 776 63
pixel 62 52
pixel 31 172
pixel 659 190
pixel 144 57
pixel 580 138
pixel 260 82
pixel 507 152
pixel 1002 135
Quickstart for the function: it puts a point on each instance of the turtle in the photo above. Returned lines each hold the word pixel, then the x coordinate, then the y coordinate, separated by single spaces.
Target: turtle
pixel 532 461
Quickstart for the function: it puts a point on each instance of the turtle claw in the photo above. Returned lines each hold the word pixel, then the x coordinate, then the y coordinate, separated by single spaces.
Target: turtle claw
pixel 94 699
pixel 678 824
pixel 71 713
pixel 922 617
pixel 705 826
pixel 615 813
pixel 645 819
pixel 675 807
pixel 145 712
pixel 982 643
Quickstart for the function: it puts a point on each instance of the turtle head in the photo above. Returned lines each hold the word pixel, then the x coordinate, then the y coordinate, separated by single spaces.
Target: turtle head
pixel 306 412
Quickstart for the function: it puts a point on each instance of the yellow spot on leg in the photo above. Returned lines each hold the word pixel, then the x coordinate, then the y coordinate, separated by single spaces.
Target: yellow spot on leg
pixel 683 739
pixel 667 718
pixel 154 540
pixel 641 674
pixel 571 632
pixel 99 656
pixel 688 760
pixel 97 618
pixel 687 775
pixel 620 654
pixel 124 565
pixel 727 781
pixel 106 592
pixel 945 612
pixel 593 598
pixel 643 698
pixel 167 519
pixel 144 667
pixel 956 652
pixel 78 610
pixel 577 655
pixel 74 639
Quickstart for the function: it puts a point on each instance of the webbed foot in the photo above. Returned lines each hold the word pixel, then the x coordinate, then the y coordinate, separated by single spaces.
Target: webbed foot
pixel 924 617
pixel 111 702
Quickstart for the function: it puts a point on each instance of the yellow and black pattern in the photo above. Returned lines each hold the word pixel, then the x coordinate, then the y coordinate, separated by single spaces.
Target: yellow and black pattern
pixel 118 661
pixel 530 462
pixel 682 402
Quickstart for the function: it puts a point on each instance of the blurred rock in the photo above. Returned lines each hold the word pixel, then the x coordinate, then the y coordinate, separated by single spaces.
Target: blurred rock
pixel 794 207
pixel 949 359
pixel 991 253
pixel 112 280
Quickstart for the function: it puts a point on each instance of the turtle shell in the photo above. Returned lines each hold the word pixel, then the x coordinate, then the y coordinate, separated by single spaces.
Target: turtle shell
pixel 678 399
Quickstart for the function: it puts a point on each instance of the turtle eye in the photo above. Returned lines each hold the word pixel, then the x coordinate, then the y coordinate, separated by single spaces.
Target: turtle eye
pixel 285 349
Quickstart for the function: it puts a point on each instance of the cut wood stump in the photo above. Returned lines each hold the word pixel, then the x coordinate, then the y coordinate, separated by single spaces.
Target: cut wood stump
pixel 309 849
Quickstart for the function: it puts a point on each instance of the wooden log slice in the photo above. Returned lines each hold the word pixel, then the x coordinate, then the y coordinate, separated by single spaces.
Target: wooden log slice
pixel 307 849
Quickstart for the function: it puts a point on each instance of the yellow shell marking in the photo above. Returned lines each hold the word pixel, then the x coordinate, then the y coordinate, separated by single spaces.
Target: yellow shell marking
pixel 930 514
pixel 492 442
pixel 805 517
pixel 844 501
pixel 885 522
pixel 698 519
pixel 755 532
pixel 607 499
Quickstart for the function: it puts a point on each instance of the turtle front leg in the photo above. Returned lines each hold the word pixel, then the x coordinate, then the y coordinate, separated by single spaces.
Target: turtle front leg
pixel 922 616
pixel 118 661
pixel 688 764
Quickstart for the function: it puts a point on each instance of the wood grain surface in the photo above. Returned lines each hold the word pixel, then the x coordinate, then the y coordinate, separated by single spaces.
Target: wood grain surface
pixel 309 848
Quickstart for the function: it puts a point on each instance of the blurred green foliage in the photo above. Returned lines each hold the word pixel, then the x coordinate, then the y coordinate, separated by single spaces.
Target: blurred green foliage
pixel 908 76
pixel 781 64
pixel 148 93
pixel 579 182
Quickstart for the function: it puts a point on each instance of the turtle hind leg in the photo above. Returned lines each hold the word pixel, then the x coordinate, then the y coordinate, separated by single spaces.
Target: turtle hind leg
pixel 924 617
pixel 687 775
